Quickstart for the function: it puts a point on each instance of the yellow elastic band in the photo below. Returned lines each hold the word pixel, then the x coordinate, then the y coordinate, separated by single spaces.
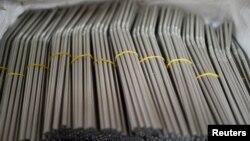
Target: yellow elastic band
pixel 125 52
pixel 3 68
pixel 179 60
pixel 151 57
pixel 81 56
pixel 105 61
pixel 37 65
pixel 15 74
pixel 60 54
pixel 208 74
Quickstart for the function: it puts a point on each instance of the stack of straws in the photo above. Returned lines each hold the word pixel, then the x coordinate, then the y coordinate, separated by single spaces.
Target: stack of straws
pixel 119 71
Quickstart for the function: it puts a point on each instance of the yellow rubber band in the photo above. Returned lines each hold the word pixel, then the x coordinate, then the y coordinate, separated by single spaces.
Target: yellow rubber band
pixel 105 61
pixel 37 65
pixel 3 68
pixel 15 74
pixel 151 57
pixel 179 60
pixel 125 52
pixel 207 74
pixel 81 56
pixel 60 54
